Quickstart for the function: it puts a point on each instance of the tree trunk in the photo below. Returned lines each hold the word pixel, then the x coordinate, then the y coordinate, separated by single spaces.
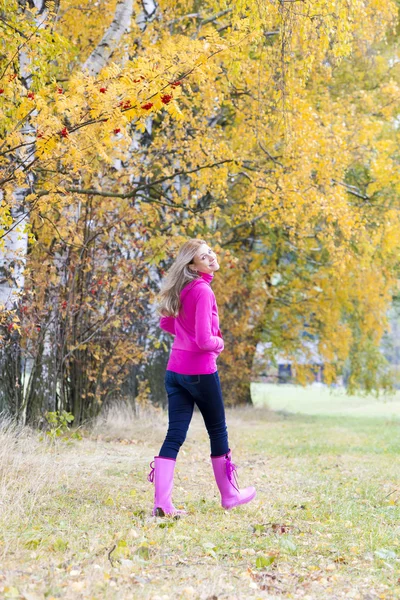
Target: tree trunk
pixel 236 365
pixel 13 260
pixel 11 384
pixel 120 24
pixel 236 390
pixel 154 372
pixel 41 373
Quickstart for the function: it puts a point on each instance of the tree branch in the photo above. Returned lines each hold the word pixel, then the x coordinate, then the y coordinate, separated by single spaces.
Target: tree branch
pixel 351 189
pixel 139 188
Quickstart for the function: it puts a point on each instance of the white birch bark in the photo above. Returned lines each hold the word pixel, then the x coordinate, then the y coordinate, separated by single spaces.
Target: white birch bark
pixel 148 13
pixel 102 53
pixel 13 255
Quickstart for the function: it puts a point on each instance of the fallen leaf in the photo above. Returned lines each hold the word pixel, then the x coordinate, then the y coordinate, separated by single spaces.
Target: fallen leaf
pixel 265 561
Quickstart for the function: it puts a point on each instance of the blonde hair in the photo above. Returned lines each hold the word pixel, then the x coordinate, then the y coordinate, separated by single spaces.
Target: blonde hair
pixel 177 277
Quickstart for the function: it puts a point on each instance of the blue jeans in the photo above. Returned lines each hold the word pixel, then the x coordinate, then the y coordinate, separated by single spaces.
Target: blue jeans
pixel 184 391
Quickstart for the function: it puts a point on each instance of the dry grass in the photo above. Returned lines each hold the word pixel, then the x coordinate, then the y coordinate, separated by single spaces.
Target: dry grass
pixel 75 515
pixel 121 422
pixel 29 472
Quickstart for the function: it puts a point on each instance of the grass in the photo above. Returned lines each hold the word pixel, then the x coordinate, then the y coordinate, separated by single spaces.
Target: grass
pixel 75 515
pixel 318 399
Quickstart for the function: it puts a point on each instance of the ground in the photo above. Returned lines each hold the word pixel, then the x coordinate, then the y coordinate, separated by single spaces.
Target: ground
pixel 75 514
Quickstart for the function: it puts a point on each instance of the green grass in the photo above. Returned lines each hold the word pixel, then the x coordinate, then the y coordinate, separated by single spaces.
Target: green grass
pixel 325 522
pixel 320 400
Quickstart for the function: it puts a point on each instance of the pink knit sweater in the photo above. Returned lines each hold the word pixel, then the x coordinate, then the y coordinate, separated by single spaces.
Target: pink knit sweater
pixel 198 340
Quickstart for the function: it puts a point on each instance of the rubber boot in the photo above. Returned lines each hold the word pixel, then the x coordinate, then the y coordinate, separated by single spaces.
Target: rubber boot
pixel 162 474
pixel 225 476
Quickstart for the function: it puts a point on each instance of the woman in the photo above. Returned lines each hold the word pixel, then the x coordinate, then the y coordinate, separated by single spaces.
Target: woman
pixel 190 313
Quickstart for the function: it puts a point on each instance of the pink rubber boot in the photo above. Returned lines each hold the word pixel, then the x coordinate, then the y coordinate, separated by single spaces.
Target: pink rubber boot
pixel 162 473
pixel 225 476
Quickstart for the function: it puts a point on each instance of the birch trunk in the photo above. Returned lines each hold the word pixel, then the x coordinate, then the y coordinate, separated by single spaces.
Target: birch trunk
pixel 120 24
pixel 13 256
pixel 40 383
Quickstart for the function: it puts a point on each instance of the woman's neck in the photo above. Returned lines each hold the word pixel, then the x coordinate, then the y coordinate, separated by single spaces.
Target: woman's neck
pixel 207 276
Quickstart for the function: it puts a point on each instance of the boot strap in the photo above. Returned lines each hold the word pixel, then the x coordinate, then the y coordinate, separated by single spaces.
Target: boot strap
pixel 150 476
pixel 231 472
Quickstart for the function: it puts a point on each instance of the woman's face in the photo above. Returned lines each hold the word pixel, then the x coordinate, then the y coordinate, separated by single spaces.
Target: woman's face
pixel 205 260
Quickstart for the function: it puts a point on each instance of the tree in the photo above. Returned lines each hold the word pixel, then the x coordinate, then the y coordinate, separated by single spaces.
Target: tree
pixel 211 121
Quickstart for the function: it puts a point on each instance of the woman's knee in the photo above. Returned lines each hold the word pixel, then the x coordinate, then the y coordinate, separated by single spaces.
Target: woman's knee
pixel 217 430
pixel 176 436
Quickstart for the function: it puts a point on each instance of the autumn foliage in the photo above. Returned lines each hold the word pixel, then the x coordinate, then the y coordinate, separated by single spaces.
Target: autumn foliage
pixel 268 128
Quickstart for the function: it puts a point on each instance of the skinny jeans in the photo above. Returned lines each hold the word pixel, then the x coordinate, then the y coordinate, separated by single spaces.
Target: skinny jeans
pixel 184 391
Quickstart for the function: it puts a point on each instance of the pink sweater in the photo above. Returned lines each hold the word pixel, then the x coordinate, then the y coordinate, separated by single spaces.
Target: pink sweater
pixel 198 340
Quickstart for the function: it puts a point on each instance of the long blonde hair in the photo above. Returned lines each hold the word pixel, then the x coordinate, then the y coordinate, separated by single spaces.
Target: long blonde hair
pixel 178 275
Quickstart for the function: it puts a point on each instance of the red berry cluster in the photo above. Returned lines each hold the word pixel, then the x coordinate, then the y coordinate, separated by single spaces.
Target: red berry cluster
pixel 175 84
pixel 103 90
pixel 166 98
pixel 64 132
pixel 125 104
pixel 147 106
pixel 31 95
pixel 96 285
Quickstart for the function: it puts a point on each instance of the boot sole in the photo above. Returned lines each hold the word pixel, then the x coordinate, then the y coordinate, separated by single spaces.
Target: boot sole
pixel 160 513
